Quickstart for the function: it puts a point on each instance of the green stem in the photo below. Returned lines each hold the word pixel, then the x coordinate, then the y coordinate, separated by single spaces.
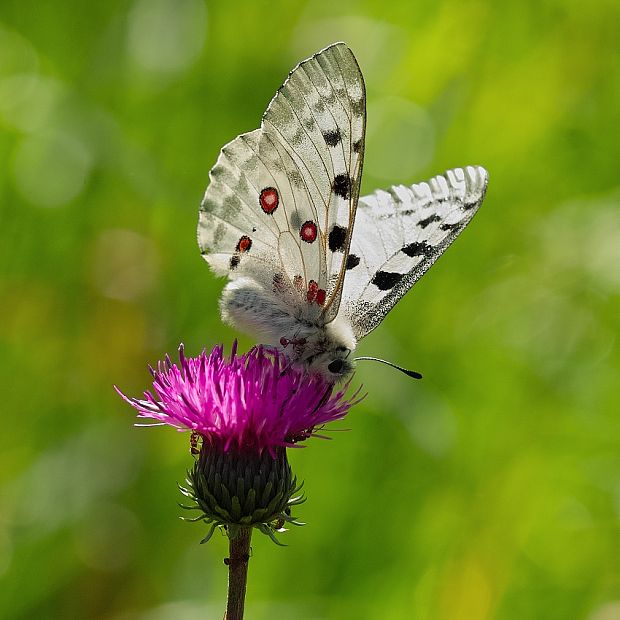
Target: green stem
pixel 238 573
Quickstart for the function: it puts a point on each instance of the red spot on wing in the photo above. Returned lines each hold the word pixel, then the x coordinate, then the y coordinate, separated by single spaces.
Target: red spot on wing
pixel 244 244
pixel 278 282
pixel 269 199
pixel 313 289
pixel 308 231
pixel 320 297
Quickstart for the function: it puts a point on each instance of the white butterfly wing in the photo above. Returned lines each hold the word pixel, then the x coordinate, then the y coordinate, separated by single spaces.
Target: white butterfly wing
pixel 230 214
pixel 399 234
pixel 269 212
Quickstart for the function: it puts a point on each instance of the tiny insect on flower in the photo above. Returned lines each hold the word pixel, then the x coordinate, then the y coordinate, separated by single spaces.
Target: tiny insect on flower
pixel 195 443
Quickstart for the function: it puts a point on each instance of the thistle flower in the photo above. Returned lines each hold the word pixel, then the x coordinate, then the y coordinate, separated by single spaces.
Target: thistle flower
pixel 247 410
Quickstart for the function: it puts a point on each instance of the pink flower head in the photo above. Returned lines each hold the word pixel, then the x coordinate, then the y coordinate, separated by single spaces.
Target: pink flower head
pixel 254 401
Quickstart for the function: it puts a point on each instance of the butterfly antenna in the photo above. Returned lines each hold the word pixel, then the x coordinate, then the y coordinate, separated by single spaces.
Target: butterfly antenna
pixel 410 373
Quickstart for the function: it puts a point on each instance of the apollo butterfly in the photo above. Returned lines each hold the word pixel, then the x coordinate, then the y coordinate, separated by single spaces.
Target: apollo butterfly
pixel 278 220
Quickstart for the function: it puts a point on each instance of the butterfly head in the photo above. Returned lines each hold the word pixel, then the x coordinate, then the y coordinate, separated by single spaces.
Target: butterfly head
pixel 333 364
pixel 327 350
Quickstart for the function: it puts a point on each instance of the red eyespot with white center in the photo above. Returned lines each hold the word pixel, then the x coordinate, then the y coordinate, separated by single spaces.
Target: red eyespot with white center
pixel 308 231
pixel 269 200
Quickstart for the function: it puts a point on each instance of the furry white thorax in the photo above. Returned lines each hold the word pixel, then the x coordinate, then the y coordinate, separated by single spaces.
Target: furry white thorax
pixel 300 333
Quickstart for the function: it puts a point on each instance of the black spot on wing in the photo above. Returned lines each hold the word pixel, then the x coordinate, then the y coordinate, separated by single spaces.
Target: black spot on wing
pixel 357 146
pixel 358 107
pixel 352 261
pixel 296 178
pixel 330 98
pixel 417 248
pixel 450 226
pixel 297 138
pixel 337 238
pixel 385 280
pixel 429 220
pixel 342 185
pixel 218 234
pixel 234 261
pixel 332 138
pixel 295 220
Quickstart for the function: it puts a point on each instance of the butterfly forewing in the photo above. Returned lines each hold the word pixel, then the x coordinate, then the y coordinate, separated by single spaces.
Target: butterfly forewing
pixel 399 234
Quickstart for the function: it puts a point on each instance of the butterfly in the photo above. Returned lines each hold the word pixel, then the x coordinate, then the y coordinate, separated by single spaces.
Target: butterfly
pixel 312 267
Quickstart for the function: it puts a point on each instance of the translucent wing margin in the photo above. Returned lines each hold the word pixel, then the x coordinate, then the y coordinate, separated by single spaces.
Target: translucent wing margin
pixel 399 234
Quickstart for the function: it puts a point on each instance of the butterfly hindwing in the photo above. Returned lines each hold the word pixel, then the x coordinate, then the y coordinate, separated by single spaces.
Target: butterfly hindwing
pixel 270 211
pixel 399 234
pixel 234 236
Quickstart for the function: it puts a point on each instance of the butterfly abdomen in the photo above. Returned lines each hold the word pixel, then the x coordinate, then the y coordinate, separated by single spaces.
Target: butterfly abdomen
pixel 246 305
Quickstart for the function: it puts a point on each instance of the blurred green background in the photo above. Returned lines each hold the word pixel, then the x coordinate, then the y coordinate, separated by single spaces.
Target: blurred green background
pixel 489 490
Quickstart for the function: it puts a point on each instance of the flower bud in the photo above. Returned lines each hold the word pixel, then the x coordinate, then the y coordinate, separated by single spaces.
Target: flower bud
pixel 242 488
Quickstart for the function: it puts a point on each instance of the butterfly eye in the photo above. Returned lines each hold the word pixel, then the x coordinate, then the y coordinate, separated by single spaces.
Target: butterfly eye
pixel 335 366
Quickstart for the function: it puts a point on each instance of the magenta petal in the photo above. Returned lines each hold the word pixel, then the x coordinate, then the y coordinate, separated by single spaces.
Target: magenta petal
pixel 256 401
